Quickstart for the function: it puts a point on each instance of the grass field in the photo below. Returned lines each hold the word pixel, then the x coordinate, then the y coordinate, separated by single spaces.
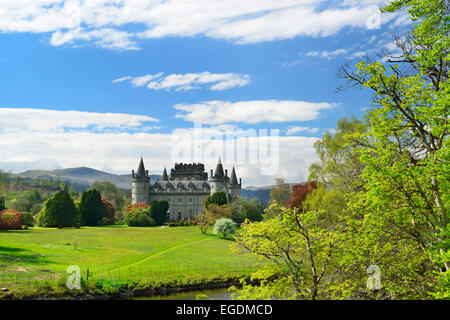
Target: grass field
pixel 149 255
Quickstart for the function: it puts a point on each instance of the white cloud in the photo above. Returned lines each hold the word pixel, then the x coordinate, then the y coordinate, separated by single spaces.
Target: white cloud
pixel 295 129
pixel 189 81
pixel 106 23
pixel 327 54
pixel 27 145
pixel 18 119
pixel 256 111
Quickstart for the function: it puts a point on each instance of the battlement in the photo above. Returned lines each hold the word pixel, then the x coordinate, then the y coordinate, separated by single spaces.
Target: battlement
pixel 189 171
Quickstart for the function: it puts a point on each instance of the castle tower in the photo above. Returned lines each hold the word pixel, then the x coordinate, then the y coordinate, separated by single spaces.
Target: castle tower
pixel 219 181
pixel 234 188
pixel 164 175
pixel 140 185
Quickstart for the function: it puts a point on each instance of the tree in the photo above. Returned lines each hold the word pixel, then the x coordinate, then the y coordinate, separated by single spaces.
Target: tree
pixel 110 193
pixel 299 193
pixel 27 220
pixel 59 211
pixel 297 252
pixel 400 219
pixel 91 208
pixel 279 193
pixel 251 209
pixel 212 212
pixel 224 227
pixel 218 198
pixel 158 211
pixel 2 204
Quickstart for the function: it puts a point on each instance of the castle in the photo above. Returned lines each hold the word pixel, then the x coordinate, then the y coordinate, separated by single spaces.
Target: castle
pixel 185 189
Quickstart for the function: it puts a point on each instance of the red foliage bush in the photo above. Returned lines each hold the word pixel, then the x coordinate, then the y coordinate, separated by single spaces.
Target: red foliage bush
pixel 299 193
pixel 109 211
pixel 137 205
pixel 10 220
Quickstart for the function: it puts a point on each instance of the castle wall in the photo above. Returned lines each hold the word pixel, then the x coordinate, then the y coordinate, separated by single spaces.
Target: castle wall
pixel 183 204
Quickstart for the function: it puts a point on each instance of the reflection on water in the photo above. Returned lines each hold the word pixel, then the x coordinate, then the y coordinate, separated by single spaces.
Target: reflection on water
pixel 215 294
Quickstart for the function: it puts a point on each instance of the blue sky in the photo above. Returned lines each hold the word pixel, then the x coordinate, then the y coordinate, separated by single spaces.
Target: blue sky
pixel 157 67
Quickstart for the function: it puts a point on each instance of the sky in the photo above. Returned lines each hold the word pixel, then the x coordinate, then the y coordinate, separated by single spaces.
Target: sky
pixel 100 83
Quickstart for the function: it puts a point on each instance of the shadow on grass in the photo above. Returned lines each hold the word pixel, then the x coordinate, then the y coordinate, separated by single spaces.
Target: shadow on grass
pixel 9 249
pixel 11 254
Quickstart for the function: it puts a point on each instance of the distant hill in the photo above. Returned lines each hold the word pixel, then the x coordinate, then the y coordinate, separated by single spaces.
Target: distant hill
pixel 83 175
pixel 261 193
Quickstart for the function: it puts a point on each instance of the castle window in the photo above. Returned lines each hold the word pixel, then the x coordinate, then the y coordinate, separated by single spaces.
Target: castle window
pixel 190 200
pixel 180 200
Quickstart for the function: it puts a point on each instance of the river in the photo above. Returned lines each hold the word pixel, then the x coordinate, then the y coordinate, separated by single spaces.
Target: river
pixel 214 294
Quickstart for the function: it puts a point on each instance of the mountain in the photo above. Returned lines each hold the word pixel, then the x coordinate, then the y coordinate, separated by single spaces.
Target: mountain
pixel 83 175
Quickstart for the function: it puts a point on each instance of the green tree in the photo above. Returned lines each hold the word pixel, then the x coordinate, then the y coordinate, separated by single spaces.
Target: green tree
pixel 158 211
pixel 2 204
pixel 280 193
pixel 218 198
pixel 91 208
pixel 251 209
pixel 400 220
pixel 297 252
pixel 59 211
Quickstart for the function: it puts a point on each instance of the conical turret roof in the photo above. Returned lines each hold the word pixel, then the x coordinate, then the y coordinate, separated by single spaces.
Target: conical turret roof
pixel 164 175
pixel 233 180
pixel 219 170
pixel 141 170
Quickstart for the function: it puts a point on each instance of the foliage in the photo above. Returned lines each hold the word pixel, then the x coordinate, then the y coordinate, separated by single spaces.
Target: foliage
pixel 212 212
pixel 139 217
pixel 10 220
pixel 108 213
pixel 59 211
pixel 401 215
pixel 27 220
pixel 298 248
pixel 299 193
pixel 91 208
pixel 158 211
pixel 224 227
pixel 251 209
pixel 217 198
pixel 137 205
pixel 2 203
pixel 116 197
pixel 279 193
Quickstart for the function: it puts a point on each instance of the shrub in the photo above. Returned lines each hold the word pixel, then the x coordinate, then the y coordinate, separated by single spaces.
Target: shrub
pixel 10 220
pixel 91 208
pixel 139 217
pixel 27 220
pixel 224 227
pixel 108 212
pixel 137 205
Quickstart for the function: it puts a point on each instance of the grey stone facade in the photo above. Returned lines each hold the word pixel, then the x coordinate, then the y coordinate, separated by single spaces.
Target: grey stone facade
pixel 185 189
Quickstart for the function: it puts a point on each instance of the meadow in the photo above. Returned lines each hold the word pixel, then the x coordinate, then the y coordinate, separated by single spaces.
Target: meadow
pixel 154 256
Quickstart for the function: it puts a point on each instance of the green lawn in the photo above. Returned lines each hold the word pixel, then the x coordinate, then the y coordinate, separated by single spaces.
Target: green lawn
pixel 149 255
